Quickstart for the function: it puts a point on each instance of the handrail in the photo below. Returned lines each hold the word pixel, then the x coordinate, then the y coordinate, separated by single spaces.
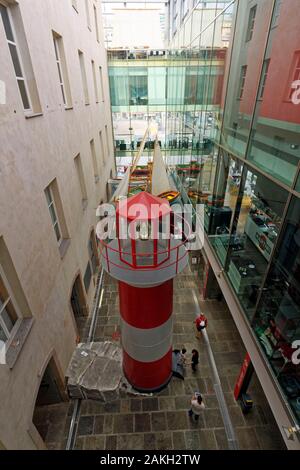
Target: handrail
pixel 150 268
pixel 180 234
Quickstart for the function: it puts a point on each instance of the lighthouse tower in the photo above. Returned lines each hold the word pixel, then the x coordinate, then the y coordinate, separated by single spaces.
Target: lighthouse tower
pixel 144 258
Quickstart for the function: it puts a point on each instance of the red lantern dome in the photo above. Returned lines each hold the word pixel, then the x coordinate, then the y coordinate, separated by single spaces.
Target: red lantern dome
pixel 143 231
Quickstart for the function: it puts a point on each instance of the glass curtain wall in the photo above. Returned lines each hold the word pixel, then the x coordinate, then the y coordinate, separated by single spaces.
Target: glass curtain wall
pixel 177 92
pixel 275 136
pixel 277 319
pixel 252 218
pixel 247 56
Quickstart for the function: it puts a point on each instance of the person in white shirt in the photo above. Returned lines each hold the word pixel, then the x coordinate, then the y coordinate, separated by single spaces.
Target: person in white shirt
pixel 197 406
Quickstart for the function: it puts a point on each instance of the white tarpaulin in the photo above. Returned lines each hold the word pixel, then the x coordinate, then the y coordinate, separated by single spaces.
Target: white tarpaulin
pixel 95 372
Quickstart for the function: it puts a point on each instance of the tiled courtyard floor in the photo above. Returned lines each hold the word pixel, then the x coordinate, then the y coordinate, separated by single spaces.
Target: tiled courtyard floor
pixel 161 421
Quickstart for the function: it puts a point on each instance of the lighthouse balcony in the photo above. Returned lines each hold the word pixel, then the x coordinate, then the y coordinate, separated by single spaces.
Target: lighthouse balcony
pixel 144 268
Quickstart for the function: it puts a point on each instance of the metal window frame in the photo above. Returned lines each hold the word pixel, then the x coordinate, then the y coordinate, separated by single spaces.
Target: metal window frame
pixel 52 203
pixel 19 56
pixel 11 298
pixel 56 38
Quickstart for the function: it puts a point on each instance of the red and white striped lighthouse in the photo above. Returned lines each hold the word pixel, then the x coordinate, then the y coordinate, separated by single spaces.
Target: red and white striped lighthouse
pixel 145 259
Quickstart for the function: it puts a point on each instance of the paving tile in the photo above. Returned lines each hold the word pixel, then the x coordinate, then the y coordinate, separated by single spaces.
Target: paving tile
pixel 142 422
pixel 262 415
pixel 85 425
pixel 79 444
pixel 125 406
pixel 229 398
pixel 99 424
pixel 236 416
pixel 221 439
pixel 135 404
pixel 94 407
pixel 182 402
pixel 149 441
pixel 150 404
pixel 207 439
pixel 213 418
pixel 220 346
pixel 166 403
pixel 130 441
pixel 192 440
pixel 176 420
pixel 210 401
pixel 113 407
pixel 94 443
pixel 178 440
pixel 247 439
pixel 123 424
pixel 269 438
pixel 209 386
pixel 176 387
pixel 191 386
pixel 164 441
pixel 110 442
pixel 108 424
pixel 158 421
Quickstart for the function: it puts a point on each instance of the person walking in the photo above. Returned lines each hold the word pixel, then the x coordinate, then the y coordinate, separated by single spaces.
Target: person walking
pixel 197 406
pixel 195 359
pixel 201 323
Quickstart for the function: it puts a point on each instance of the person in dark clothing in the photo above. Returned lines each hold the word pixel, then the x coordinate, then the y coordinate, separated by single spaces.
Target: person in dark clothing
pixel 195 359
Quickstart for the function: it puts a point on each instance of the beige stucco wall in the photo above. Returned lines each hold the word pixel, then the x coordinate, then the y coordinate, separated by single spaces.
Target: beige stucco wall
pixel 32 153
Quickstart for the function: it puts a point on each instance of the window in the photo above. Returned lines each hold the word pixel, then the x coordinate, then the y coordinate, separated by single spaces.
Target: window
pixel 94 160
pixel 138 86
pixel 8 312
pixel 295 75
pixel 242 81
pixel 87 10
pixel 57 216
pixel 62 69
pixel 96 23
pixel 92 249
pixel 251 22
pixel 53 213
pixel 101 83
pixel 101 147
pixel 264 78
pixel 276 14
pixel 80 175
pixel 95 82
pixel 87 277
pixel 84 78
pixel 15 56
pixel 15 315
